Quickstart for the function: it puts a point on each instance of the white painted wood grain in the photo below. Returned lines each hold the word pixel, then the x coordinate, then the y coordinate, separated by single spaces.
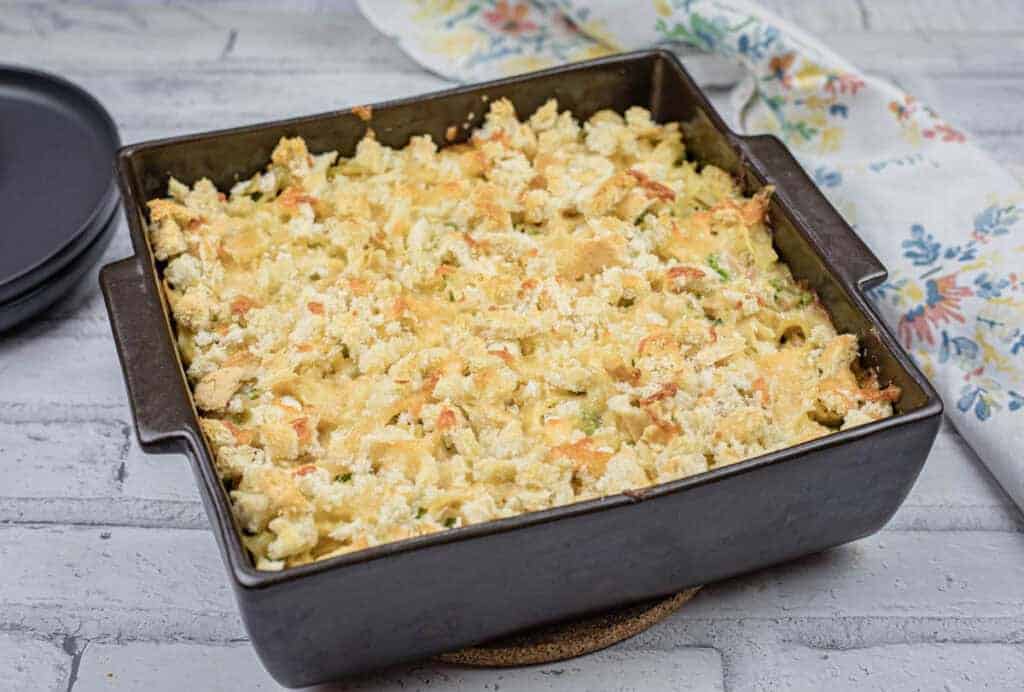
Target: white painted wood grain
pixel 29 663
pixel 897 668
pixel 994 16
pixel 129 667
pixel 116 583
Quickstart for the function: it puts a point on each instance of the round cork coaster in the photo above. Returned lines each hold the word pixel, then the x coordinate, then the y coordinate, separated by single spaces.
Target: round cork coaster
pixel 569 639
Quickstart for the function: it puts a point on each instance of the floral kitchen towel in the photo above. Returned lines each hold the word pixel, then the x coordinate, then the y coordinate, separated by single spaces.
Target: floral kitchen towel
pixel 945 219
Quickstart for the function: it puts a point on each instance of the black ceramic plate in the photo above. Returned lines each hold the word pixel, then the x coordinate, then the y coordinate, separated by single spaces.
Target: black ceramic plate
pixel 35 300
pixel 57 190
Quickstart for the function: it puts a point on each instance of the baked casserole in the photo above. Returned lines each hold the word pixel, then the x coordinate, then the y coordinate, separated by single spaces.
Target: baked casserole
pixel 406 341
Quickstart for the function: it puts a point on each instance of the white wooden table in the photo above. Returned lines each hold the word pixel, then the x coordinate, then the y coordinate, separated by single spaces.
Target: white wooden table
pixel 109 578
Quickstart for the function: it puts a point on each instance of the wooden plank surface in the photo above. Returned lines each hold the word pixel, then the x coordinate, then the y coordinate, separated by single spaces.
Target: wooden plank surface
pixel 111 579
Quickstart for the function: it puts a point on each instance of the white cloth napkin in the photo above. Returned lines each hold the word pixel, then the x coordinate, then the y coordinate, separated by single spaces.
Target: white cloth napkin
pixel 946 220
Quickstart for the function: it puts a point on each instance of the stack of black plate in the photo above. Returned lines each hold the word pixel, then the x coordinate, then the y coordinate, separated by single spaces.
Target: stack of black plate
pixel 57 189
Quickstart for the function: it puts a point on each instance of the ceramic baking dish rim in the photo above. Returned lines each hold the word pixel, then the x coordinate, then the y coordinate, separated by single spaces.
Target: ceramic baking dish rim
pixel 187 438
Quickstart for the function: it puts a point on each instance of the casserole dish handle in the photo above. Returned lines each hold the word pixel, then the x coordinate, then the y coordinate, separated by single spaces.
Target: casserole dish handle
pixel 162 410
pixel 845 252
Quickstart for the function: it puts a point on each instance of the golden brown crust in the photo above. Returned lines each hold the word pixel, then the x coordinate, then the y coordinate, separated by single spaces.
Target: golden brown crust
pixel 364 113
pixel 410 340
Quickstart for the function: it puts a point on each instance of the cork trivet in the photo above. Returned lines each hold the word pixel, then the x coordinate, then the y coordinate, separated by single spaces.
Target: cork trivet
pixel 569 639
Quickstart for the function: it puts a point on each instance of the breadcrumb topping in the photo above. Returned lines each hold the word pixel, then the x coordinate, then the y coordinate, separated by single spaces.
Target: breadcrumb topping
pixel 407 341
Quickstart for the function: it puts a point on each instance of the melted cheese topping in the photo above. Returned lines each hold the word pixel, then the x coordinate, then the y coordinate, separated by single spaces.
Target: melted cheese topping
pixel 411 340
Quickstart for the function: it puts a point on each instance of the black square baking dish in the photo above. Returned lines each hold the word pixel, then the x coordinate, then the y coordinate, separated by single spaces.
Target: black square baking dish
pixel 422 596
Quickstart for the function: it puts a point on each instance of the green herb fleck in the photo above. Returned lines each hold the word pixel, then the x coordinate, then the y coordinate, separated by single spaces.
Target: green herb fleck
pixel 625 302
pixel 343 478
pixel 420 512
pixel 449 522
pixel 315 276
pixel 255 196
pixel 451 297
pixel 806 299
pixel 344 351
pixel 590 420
pixel 713 263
